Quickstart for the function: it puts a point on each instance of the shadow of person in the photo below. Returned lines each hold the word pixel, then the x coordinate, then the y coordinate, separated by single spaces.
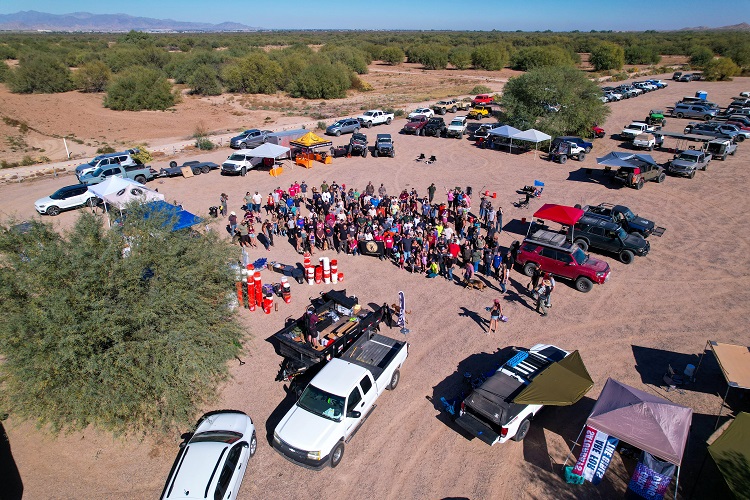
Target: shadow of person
pixel 10 477
pixel 476 317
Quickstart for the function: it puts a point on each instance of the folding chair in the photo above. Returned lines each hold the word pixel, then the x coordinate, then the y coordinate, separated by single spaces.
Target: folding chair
pixel 431 160
pixel 673 380
pixel 420 157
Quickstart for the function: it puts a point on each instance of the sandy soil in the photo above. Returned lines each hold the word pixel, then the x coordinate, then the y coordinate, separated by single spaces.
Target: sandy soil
pixel 693 286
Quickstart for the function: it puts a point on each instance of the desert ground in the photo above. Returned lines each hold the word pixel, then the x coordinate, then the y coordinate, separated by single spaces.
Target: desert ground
pixel 693 286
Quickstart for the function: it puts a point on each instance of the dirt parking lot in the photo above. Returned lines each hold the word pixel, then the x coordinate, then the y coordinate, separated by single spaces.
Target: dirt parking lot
pixel 693 286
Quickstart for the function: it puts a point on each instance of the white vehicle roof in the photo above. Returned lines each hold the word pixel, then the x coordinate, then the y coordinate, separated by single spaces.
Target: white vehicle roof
pixel 338 377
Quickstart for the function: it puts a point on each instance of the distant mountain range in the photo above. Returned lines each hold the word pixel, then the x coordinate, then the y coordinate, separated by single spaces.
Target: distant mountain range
pixel 30 20
pixel 734 27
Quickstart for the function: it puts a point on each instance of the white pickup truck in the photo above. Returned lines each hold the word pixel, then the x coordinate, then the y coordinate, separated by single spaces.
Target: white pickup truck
pixel 489 412
pixel 338 401
pixel 375 117
pixel 635 129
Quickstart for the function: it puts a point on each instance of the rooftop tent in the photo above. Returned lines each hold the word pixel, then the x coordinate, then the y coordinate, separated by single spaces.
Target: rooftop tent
pixel 183 218
pixel 649 422
pixel 731 452
pixel 621 159
pixel 268 150
pixel 560 384
pixel 310 140
pixel 561 214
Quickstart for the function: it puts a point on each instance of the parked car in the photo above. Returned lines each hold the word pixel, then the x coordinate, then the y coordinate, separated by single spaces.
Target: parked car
pixel 482 131
pixel 613 96
pixel 621 215
pixel 648 141
pixel 358 145
pixel 683 110
pixel 677 75
pixel 66 198
pixel 345 126
pixel 627 92
pixel 384 146
pixel 586 145
pixel 456 128
pixel 375 117
pixel 415 125
pixel 249 139
pixel 598 131
pixel 422 111
pixel 480 111
pixel 212 461
pixel 599 234
pixel 634 129
pixel 741 122
pixel 637 175
pixel 686 77
pixel 688 161
pixel 452 105
pixel 656 117
pixel 659 83
pixel 554 254
pixel 720 148
pixel 123 158
pixel 715 129
pixel 138 173
pixel 490 414
pixel 566 149
pixel 482 99
pixel 435 127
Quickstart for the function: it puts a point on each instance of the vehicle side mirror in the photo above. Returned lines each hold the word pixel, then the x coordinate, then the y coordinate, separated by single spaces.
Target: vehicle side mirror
pixel 353 414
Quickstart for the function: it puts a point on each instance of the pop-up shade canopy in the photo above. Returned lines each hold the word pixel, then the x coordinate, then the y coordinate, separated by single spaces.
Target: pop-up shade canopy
pixel 310 140
pixel 731 452
pixel 182 218
pixel 561 214
pixel 268 150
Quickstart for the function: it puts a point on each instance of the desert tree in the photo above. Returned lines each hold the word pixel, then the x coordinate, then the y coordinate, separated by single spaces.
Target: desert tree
pixel 528 99
pixel 392 55
pixel 701 56
pixel 39 73
pixel 205 81
pixel 721 69
pixel 92 77
pixel 140 88
pixel 607 55
pixel 128 330
pixel 527 58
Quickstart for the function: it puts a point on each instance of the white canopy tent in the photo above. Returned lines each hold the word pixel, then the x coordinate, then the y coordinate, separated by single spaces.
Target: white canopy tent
pixel 505 131
pixel 118 192
pixel 532 135
pixel 268 150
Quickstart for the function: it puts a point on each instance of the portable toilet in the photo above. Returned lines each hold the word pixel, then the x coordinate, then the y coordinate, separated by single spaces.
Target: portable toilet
pixel 702 95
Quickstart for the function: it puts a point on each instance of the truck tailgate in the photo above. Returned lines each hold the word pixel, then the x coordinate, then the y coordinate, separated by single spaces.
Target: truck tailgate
pixel 477 428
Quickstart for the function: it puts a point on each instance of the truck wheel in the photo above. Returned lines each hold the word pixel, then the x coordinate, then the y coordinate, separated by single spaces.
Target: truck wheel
pixel 364 153
pixel 368 124
pixel 92 202
pixel 583 284
pixel 626 256
pixel 692 174
pixel 205 169
pixel 375 152
pixel 140 178
pixel 453 109
pixel 529 269
pixel 393 153
pixel 705 166
pixel 562 159
pixel 460 135
pixel 582 244
pixel 356 130
pixel 172 164
pixel 707 117
pixel 338 133
pixel 581 156
pixel 394 380
pixel 661 177
pixel 523 429
pixel 337 454
pixel 679 115
pixel 740 138
pixel 421 132
pixel 388 121
pixel 253 447
pixel 243 172
pixel 53 210
pixel 639 185
pixel 588 149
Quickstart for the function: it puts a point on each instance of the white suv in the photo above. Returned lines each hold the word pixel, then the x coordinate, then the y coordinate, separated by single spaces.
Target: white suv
pixel 64 198
pixel 124 158
pixel 212 462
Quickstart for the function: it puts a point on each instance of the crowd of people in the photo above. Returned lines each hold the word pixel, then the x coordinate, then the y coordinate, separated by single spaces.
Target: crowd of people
pixel 417 233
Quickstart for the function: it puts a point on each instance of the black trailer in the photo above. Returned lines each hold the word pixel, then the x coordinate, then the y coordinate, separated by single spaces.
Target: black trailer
pixel 341 321
pixel 197 167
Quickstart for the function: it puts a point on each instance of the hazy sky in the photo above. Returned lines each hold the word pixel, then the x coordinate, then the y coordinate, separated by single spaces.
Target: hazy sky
pixel 503 15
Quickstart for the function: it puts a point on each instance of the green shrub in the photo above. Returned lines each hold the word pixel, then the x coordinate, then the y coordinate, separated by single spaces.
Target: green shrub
pixel 204 144
pixel 321 125
pixel 527 58
pixel 140 88
pixel 701 56
pixel 27 160
pixel 353 58
pixel 92 77
pixel 480 89
pixel 361 85
pixel 4 72
pixel 143 156
pixel 205 81
pixel 322 80
pixel 392 55
pixel 607 55
pixel 254 74
pixel 722 69
pixel 40 73
pixel 460 57
pixel 435 58
pixel 492 57
pixel 105 149
pixel 642 54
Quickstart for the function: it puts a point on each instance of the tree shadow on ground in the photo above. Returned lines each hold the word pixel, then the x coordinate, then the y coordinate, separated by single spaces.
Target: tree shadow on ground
pixel 10 477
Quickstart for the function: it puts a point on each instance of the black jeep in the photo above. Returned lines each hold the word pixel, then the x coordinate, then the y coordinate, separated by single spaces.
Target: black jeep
pixel 384 146
pixel 593 232
pixel 358 145
pixel 435 127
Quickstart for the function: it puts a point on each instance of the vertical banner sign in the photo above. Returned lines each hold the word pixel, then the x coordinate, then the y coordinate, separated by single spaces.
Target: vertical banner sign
pixel 651 477
pixel 596 453
pixel 402 312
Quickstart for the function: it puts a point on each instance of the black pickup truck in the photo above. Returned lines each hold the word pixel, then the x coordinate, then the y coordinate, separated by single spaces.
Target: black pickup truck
pixel 622 215
pixel 341 321
pixel 197 167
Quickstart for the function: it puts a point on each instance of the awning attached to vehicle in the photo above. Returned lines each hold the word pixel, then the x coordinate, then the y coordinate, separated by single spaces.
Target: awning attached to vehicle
pixel 731 452
pixel 560 384
pixel 621 159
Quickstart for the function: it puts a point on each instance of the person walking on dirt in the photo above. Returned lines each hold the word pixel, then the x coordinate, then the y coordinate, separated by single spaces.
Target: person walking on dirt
pixel 542 293
pixel 550 289
pixel 223 199
pixel 503 277
pixel 431 192
pixel 496 312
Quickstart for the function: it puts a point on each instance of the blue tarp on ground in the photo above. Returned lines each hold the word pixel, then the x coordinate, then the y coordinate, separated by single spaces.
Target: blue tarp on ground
pixel 183 218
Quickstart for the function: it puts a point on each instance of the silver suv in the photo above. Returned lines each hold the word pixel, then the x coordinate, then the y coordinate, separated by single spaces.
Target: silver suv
pixel 682 110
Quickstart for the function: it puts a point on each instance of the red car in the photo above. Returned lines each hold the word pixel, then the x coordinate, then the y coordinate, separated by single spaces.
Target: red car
pixel 554 254
pixel 598 131
pixel 482 99
pixel 742 125
pixel 415 125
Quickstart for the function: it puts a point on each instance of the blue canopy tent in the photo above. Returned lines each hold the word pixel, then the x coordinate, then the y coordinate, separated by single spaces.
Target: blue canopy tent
pixel 183 219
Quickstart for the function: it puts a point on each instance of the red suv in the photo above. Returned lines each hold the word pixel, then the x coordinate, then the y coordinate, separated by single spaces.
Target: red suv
pixel 554 254
pixel 482 99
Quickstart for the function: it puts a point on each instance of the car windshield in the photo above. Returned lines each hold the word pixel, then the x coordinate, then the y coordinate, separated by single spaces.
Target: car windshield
pixel 321 403
pixel 457 123
pixel 228 437
pixel 622 234
pixel 93 162
pixel 339 123
pixel 369 113
pixel 579 256
pixel 690 158
pixel 236 157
